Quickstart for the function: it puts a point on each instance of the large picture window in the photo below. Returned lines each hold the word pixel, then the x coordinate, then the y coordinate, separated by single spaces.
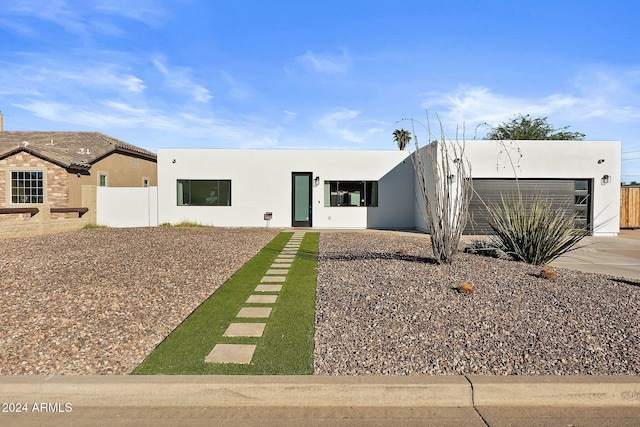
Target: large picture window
pixel 351 193
pixel 27 187
pixel 203 192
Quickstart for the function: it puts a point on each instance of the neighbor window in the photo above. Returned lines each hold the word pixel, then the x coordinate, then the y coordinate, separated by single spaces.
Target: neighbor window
pixel 201 192
pixel 27 187
pixel 102 180
pixel 351 193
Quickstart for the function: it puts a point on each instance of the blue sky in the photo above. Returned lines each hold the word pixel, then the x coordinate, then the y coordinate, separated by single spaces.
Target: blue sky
pixel 283 74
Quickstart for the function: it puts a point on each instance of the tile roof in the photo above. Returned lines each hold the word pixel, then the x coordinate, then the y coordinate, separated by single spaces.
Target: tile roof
pixel 71 150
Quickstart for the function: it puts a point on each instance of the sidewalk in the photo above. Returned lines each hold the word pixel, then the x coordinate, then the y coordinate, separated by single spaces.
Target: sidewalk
pixel 316 400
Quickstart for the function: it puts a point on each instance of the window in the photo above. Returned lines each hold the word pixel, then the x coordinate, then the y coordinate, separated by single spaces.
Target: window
pixel 102 180
pixel 581 202
pixel 145 182
pixel 27 187
pixel 351 193
pixel 200 192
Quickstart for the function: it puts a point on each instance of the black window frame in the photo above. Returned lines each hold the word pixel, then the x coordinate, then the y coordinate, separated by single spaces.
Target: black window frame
pixel 341 193
pixel 203 192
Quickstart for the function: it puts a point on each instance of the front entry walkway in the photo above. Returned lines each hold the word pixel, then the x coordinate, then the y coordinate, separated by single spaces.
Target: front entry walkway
pixel 266 292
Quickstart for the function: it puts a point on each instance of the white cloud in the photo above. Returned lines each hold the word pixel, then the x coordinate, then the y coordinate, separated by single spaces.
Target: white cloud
pixel 596 95
pixel 325 63
pixel 236 90
pixel 289 115
pixel 64 76
pixel 82 18
pixel 348 125
pixel 149 12
pixel 475 105
pixel 18 27
pixel 178 78
pixel 610 93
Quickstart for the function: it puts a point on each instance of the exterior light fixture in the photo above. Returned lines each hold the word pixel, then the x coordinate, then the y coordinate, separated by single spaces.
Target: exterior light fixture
pixel 317 181
pixel 606 179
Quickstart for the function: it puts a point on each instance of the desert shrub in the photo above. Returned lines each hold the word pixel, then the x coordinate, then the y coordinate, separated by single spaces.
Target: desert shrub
pixel 534 231
pixel 92 226
pixel 484 247
pixel 185 224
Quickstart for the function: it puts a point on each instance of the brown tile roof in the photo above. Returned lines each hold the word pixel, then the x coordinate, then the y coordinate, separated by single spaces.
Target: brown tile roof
pixel 71 150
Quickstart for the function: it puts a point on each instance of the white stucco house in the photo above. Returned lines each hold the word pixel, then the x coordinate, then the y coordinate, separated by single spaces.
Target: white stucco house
pixel 376 189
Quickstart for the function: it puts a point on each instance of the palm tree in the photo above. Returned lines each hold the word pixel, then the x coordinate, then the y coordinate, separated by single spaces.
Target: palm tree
pixel 401 137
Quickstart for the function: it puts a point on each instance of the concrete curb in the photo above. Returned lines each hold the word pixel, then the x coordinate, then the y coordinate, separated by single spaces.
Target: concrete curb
pixel 320 391
pixel 570 391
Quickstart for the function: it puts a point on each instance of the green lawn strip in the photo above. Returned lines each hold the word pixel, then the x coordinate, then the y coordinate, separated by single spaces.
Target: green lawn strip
pixel 286 346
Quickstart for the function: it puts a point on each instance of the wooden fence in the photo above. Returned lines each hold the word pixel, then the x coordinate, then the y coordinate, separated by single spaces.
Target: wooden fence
pixel 630 207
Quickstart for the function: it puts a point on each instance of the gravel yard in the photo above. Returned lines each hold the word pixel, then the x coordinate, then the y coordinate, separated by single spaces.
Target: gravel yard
pixel 381 311
pixel 99 301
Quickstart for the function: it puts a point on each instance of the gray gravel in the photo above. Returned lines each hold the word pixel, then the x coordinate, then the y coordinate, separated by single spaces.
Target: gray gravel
pixel 383 312
pixel 99 301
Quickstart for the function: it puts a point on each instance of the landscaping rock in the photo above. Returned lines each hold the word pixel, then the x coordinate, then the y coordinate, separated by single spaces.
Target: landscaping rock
pixel 383 313
pixel 99 301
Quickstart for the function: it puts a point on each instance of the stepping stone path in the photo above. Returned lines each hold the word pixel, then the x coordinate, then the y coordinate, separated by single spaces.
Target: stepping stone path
pixel 272 282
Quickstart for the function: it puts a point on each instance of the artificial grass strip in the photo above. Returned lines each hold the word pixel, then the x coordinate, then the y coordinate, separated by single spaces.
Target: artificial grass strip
pixel 286 346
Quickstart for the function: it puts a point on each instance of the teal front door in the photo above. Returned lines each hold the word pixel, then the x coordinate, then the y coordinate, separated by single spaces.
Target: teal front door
pixel 301 199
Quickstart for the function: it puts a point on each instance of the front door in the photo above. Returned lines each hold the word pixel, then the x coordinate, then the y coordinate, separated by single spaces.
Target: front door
pixel 301 199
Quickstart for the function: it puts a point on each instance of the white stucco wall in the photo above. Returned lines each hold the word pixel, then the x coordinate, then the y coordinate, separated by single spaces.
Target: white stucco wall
pixel 127 206
pixel 261 182
pixel 555 160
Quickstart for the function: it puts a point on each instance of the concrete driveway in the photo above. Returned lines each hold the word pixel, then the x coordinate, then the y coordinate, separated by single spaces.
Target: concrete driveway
pixel 617 256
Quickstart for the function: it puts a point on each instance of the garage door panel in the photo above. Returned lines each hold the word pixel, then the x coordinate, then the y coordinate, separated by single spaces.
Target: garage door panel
pixel 486 191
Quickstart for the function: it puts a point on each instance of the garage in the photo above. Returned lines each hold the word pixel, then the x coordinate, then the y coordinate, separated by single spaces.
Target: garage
pixel 574 195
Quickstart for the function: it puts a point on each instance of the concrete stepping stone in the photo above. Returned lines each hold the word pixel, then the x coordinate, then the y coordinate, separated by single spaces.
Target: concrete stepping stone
pixel 283 260
pixel 286 256
pixel 273 279
pixel 254 312
pixel 231 353
pixel 277 271
pixel 262 299
pixel 286 265
pixel 268 288
pixel 244 330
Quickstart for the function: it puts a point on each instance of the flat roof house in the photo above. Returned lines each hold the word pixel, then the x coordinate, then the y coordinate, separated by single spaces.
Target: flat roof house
pixel 376 189
pixel 300 188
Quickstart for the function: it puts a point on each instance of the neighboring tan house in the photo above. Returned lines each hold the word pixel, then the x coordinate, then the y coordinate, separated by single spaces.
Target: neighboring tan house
pixel 42 171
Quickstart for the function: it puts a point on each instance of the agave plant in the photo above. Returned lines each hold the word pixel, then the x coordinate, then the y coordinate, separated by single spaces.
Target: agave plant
pixel 534 231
